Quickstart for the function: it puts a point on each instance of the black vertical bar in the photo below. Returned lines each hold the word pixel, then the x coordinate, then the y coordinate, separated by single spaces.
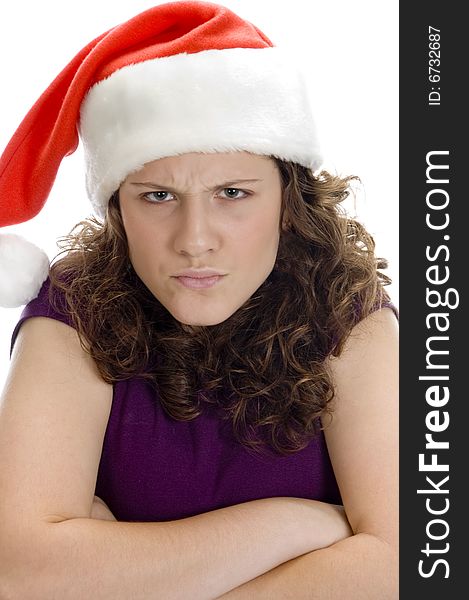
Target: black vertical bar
pixel 433 300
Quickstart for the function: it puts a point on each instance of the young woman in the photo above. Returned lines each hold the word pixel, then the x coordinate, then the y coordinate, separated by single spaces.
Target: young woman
pixel 202 400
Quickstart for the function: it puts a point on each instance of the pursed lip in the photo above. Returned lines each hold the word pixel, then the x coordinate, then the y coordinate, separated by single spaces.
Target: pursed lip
pixel 198 279
pixel 199 273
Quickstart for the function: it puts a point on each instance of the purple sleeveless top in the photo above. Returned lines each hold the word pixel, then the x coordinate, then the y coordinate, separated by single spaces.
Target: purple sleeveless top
pixel 154 468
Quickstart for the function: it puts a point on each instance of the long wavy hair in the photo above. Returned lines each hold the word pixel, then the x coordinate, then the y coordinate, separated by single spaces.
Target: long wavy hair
pixel 265 367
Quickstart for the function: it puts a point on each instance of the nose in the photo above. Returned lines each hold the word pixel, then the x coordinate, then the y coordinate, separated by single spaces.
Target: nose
pixel 195 229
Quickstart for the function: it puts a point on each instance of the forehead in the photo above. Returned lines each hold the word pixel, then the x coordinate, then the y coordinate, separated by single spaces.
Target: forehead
pixel 216 166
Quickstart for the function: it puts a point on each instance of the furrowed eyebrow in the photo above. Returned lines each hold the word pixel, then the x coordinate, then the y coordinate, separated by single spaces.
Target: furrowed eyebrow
pixel 155 185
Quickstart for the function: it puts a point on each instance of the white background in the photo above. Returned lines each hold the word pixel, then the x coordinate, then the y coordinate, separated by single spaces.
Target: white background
pixel 347 50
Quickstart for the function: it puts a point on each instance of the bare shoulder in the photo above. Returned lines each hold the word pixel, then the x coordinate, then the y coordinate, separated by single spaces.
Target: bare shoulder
pixel 48 340
pixel 48 353
pixel 365 374
pixel 371 340
pixel 53 415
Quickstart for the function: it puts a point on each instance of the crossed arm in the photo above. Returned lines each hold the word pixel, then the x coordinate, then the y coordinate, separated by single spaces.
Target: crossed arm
pixel 362 564
pixel 363 445
pixel 53 546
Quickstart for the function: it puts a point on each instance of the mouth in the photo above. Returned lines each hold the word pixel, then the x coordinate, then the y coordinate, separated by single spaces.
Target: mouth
pixel 198 283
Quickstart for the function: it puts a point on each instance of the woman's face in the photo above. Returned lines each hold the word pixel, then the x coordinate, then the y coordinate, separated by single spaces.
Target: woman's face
pixel 203 230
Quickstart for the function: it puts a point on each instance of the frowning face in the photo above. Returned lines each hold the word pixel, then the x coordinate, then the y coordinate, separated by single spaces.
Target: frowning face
pixel 203 230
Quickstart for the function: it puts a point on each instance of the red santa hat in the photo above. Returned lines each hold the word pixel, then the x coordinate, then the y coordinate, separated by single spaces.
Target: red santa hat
pixel 180 77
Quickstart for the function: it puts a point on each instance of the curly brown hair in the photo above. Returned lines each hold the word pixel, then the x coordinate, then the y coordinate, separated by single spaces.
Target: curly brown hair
pixel 265 367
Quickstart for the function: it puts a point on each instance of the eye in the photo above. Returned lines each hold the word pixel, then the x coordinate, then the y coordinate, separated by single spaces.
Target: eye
pixel 158 197
pixel 234 193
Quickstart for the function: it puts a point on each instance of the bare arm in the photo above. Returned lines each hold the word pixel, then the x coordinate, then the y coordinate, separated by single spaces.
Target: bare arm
pixel 199 557
pixel 53 417
pixel 363 445
pixel 361 567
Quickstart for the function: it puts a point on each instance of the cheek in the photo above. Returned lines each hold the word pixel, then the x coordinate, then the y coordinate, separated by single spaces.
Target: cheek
pixel 256 253
pixel 258 238
pixel 144 241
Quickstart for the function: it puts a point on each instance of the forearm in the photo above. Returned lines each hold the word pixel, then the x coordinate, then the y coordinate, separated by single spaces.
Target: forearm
pixel 199 557
pixel 361 567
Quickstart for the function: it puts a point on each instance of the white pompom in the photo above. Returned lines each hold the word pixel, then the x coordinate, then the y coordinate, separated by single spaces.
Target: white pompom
pixel 23 269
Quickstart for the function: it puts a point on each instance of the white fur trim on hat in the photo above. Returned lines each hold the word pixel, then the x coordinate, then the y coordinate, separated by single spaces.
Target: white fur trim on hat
pixel 23 269
pixel 211 101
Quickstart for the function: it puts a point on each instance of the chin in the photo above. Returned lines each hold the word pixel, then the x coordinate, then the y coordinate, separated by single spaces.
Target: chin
pixel 201 318
pixel 200 321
